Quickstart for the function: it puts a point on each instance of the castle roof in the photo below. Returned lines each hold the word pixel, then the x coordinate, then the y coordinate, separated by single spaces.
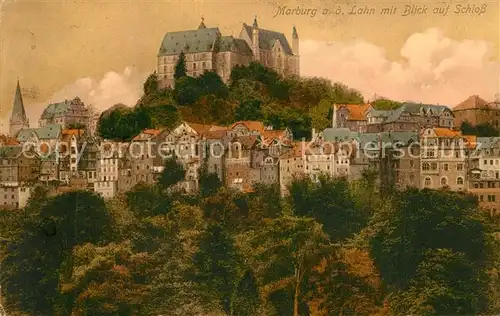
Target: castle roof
pixel 268 38
pixel 191 41
pixel 58 108
pixel 18 112
pixel 471 103
pixel 237 45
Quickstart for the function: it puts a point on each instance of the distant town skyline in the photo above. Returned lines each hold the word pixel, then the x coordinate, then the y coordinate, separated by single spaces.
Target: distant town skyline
pixel 102 52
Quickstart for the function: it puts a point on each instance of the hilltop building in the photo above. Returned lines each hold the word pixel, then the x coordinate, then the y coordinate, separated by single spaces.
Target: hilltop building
pixel 18 119
pixel 477 111
pixel 66 114
pixel 207 49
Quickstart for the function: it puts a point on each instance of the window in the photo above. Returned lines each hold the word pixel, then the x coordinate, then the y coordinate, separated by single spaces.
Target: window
pixel 425 166
pixel 445 167
pixel 434 166
pixel 491 198
pixel 444 181
pixel 460 167
pixel 460 181
pixel 427 181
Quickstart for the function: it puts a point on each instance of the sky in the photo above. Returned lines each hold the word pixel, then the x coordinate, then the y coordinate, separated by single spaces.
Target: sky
pixel 102 51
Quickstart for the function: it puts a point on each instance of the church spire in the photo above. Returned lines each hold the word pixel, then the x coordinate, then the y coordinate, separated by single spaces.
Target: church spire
pixel 255 25
pixel 202 24
pixel 18 111
pixel 18 119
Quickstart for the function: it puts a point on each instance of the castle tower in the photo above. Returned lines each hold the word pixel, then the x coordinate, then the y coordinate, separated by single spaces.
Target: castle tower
pixel 18 119
pixel 295 50
pixel 255 40
pixel 295 41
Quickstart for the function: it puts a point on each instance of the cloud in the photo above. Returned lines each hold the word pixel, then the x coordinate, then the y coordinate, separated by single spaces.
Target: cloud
pixel 114 87
pixel 433 68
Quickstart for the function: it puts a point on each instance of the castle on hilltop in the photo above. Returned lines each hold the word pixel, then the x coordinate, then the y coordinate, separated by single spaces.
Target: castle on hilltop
pixel 206 49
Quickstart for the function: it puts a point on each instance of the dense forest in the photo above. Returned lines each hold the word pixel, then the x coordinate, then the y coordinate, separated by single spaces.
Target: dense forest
pixel 329 248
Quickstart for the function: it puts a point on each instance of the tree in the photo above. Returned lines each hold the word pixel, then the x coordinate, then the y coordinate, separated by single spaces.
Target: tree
pixel 246 298
pixel 386 104
pixel 209 182
pixel 331 203
pixel 249 110
pixel 151 84
pixel 480 130
pixel 211 84
pixel 180 67
pixel 291 247
pixel 106 280
pixel 41 258
pixel 187 90
pixel 426 233
pixel 321 115
pixel 216 266
pixel 173 172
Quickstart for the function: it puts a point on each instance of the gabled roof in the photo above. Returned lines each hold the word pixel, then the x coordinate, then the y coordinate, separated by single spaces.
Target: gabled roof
pixel 415 108
pixel 247 142
pixel 251 125
pixel 294 152
pixel 395 114
pixel 146 134
pixel 215 134
pixel 192 41
pixel 379 113
pixel 356 111
pixel 268 38
pixel 237 45
pixel 52 131
pixel 200 129
pixel 472 102
pixel 58 108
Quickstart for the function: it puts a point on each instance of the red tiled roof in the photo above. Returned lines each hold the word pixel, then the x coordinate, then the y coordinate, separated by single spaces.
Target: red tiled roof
pixel 472 102
pixel 446 132
pixel 73 131
pixel 215 134
pixel 199 128
pixel 150 132
pixel 251 125
pixel 356 111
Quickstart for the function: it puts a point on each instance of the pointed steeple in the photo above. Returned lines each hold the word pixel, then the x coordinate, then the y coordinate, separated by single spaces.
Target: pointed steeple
pixel 255 25
pixel 294 32
pixel 18 119
pixel 18 111
pixel 202 24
